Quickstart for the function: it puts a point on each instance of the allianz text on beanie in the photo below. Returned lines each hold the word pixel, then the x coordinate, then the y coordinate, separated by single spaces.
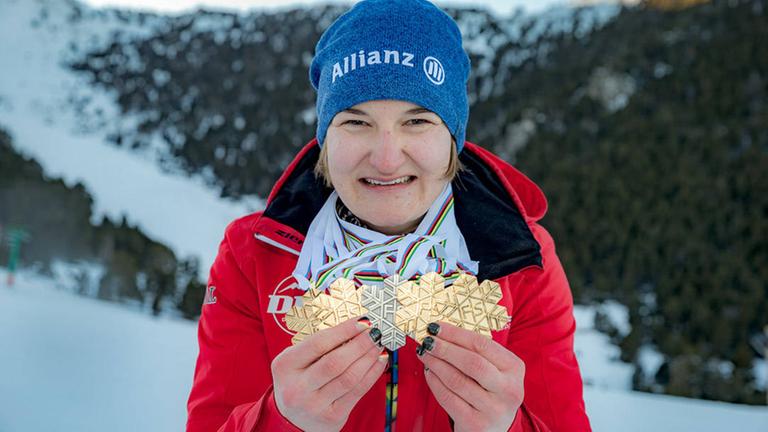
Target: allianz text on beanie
pixel 392 49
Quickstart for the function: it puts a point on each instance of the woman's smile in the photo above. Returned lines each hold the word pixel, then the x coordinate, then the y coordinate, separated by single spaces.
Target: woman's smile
pixel 379 184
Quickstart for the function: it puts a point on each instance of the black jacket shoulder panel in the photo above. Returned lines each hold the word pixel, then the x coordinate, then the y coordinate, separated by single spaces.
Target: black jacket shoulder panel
pixel 495 231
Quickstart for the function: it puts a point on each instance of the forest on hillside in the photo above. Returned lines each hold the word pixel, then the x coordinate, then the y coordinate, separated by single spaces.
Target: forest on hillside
pixel 56 220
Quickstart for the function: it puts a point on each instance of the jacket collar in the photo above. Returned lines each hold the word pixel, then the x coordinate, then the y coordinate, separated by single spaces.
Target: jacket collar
pixel 494 203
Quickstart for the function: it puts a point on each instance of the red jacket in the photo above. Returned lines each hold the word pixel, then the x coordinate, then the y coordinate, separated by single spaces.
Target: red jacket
pixel 241 328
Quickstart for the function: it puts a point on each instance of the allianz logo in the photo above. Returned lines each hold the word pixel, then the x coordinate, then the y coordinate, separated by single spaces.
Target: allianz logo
pixel 432 66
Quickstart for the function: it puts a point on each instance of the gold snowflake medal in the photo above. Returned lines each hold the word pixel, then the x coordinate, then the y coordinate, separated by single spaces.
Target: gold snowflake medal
pixel 417 305
pixel 322 310
pixel 466 304
pixel 301 319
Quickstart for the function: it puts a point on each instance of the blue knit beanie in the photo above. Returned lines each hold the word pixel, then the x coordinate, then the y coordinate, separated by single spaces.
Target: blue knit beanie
pixel 407 50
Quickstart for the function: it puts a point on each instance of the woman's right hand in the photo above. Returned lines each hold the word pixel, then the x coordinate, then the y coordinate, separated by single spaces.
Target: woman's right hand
pixel 318 381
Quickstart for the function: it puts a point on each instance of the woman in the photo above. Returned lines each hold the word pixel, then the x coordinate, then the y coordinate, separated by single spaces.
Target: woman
pixel 389 167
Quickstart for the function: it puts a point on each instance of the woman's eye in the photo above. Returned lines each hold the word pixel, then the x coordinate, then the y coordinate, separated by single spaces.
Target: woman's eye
pixel 354 123
pixel 416 122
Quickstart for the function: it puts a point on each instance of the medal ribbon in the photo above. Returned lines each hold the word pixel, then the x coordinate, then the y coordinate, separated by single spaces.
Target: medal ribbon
pixel 335 248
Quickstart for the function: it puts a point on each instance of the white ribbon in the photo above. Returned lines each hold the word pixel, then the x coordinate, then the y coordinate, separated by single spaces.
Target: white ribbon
pixel 334 248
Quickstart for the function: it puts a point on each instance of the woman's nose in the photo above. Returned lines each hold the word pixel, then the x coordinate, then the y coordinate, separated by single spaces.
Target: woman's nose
pixel 387 155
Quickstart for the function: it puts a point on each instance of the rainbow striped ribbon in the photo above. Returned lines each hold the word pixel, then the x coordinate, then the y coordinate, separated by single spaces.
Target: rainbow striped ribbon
pixel 335 248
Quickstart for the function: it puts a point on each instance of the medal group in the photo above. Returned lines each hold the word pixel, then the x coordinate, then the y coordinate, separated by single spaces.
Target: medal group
pixel 401 308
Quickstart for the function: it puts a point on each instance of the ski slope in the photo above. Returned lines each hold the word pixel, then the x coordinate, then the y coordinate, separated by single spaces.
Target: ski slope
pixel 36 91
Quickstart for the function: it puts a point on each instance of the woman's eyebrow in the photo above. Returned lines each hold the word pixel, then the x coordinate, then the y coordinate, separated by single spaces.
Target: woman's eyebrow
pixel 418 110
pixel 355 111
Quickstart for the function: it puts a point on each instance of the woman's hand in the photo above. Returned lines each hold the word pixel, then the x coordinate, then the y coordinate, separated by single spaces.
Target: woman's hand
pixel 476 380
pixel 318 381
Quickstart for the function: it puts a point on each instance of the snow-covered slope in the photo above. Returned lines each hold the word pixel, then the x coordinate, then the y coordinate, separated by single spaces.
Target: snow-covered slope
pixel 611 410
pixel 598 357
pixel 38 99
pixel 76 364
pixel 73 363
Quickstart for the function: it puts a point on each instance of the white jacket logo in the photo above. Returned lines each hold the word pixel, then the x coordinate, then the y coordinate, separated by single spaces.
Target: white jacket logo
pixel 280 303
pixel 362 59
pixel 209 297
pixel 434 70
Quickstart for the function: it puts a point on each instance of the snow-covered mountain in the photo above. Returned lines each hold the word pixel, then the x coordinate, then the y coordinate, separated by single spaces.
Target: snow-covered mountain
pixel 39 106
pixel 77 364
pixel 69 121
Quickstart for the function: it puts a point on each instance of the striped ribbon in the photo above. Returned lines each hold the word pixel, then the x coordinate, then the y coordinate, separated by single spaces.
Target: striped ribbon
pixel 335 248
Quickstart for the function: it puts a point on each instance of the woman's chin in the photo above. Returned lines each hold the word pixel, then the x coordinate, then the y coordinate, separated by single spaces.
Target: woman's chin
pixel 397 224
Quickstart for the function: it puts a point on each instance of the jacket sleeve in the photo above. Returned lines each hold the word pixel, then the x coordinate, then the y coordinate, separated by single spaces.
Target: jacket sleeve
pixel 541 335
pixel 232 385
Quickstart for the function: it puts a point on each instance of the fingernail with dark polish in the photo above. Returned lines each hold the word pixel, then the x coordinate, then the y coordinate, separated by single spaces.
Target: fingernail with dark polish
pixel 375 334
pixel 427 343
pixel 419 350
pixel 433 329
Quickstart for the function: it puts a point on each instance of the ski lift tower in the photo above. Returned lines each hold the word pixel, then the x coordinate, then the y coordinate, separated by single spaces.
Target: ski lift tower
pixel 15 237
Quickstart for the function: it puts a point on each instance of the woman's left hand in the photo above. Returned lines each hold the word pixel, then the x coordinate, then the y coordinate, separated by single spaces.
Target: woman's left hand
pixel 476 380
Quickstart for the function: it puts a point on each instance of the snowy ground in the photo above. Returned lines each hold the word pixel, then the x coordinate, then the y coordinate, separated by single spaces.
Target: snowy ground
pixel 72 363
pixel 598 358
pixel 76 364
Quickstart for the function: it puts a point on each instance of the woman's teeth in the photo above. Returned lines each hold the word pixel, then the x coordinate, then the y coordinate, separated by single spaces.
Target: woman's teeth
pixel 400 180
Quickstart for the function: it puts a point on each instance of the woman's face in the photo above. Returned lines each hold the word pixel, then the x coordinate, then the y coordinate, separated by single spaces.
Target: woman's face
pixel 387 160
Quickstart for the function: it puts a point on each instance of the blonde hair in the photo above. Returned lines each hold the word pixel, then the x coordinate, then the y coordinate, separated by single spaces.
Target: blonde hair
pixel 321 167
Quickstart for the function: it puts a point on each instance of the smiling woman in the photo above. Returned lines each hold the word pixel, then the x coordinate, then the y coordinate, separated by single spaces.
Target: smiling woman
pixel 381 240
